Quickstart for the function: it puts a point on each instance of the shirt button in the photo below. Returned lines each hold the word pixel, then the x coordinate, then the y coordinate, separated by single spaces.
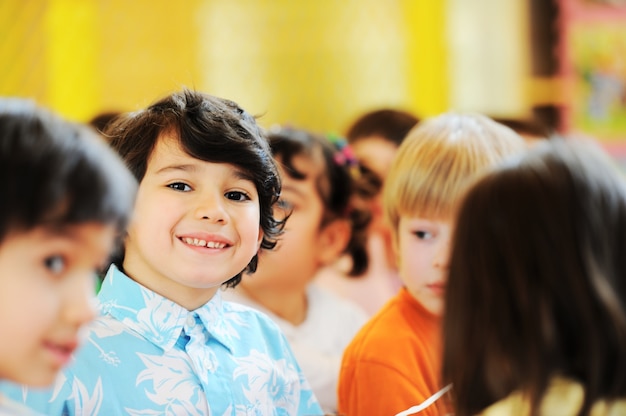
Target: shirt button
pixel 208 365
pixel 191 321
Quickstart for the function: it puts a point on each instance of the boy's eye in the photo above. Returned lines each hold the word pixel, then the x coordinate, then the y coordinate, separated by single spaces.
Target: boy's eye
pixel 55 264
pixel 423 235
pixel 180 186
pixel 237 196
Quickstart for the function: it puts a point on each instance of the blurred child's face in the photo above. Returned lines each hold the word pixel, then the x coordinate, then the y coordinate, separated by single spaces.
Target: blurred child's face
pixel 47 286
pixel 423 252
pixel 195 225
pixel 300 250
pixel 376 154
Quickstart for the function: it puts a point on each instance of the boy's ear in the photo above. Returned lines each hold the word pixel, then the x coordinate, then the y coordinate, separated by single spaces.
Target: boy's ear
pixel 333 239
pixel 260 239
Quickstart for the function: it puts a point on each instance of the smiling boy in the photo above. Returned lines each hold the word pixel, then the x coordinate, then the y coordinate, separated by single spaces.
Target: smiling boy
pixel 166 343
pixel 208 225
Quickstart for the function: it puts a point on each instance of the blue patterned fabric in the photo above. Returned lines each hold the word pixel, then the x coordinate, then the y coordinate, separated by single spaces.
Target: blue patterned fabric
pixel 146 355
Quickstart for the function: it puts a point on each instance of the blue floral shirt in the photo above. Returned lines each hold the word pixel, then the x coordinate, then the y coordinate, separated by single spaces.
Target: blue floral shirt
pixel 146 355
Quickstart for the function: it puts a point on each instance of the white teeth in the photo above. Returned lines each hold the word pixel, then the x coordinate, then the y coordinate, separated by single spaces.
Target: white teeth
pixel 203 243
pixel 213 244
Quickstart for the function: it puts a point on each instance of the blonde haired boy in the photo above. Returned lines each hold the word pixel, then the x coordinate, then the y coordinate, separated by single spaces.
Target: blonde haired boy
pixel 394 361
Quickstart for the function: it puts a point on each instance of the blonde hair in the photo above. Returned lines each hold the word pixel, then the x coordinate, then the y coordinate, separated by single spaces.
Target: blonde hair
pixel 436 160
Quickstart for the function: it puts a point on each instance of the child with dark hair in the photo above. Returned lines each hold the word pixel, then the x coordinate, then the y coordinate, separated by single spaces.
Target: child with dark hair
pixel 374 138
pixel 535 318
pixel 166 343
pixel 101 120
pixel 531 130
pixel 319 179
pixel 65 198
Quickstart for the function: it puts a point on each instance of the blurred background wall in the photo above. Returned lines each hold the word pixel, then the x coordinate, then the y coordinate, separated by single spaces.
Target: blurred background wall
pixel 319 64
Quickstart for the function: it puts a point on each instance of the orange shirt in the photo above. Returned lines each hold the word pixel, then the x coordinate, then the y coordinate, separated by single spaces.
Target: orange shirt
pixel 394 362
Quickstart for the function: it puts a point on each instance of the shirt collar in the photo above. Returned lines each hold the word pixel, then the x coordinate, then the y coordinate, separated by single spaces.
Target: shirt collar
pixel 416 307
pixel 155 317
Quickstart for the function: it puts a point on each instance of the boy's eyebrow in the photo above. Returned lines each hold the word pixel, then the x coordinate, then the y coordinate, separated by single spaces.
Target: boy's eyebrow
pixel 189 167
pixel 183 167
pixel 242 174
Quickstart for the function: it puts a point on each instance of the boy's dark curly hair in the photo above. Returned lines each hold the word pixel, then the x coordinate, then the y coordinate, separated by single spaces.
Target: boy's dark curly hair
pixel 211 129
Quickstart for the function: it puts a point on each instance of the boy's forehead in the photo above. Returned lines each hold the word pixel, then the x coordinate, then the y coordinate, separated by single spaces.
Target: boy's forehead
pixel 168 153
pixel 167 147
pixel 168 140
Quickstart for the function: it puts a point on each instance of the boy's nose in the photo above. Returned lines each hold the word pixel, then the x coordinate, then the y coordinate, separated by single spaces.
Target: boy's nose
pixel 442 255
pixel 214 218
pixel 211 209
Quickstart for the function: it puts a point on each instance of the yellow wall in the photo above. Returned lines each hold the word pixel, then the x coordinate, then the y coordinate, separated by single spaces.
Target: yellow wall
pixel 71 53
pixel 23 70
pixel 315 64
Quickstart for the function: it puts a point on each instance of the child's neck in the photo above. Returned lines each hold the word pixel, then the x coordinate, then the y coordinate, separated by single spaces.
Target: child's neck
pixel 290 306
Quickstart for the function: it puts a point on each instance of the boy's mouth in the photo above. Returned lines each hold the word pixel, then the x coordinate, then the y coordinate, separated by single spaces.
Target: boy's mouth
pixel 202 243
pixel 439 288
pixel 61 351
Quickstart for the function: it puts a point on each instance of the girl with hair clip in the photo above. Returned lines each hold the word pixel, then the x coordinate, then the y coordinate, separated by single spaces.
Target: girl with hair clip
pixel 374 138
pixel 318 178
pixel 535 319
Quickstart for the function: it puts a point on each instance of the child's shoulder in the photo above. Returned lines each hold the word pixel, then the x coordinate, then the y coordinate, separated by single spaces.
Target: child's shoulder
pixel 391 323
pixel 253 318
pixel 233 306
pixel 328 303
pixel 253 327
